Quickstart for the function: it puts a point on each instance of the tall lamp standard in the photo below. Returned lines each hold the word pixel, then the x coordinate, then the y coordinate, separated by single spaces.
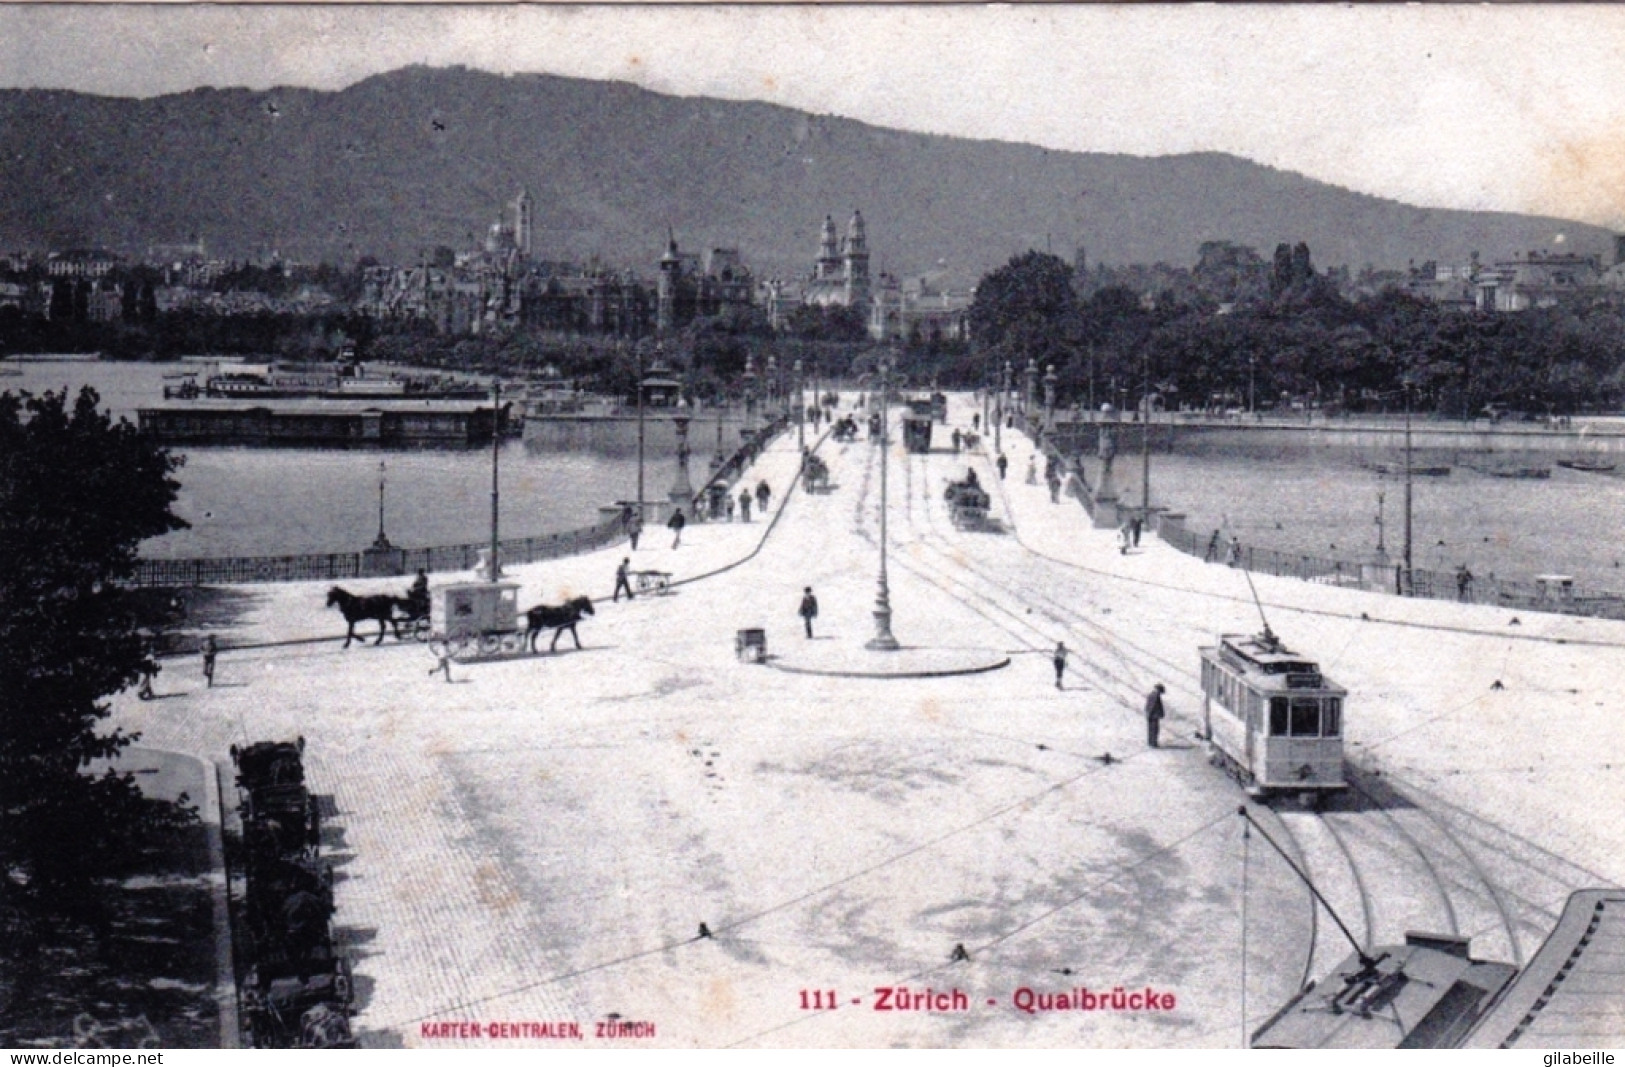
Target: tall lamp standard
pixel 381 542
pixel 639 388
pixel 883 641
pixel 1408 573
pixel 801 411
pixel 494 570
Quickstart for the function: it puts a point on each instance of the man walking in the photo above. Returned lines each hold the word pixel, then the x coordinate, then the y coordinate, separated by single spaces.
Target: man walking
pixel 675 524
pixel 808 610
pixel 622 581
pixel 744 505
pixel 1004 464
pixel 210 650
pixel 1060 663
pixel 634 528
pixel 1153 713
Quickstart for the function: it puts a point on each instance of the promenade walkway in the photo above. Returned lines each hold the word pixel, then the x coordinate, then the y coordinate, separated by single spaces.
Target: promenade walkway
pixel 539 841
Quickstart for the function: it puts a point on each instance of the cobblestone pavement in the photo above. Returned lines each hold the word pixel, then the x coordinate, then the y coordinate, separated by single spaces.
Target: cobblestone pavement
pixel 539 842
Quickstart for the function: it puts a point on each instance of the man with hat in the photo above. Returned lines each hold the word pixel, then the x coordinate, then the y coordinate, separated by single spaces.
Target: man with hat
pixel 1153 713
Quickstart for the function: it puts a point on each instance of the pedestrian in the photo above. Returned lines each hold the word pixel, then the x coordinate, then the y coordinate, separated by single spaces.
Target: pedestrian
pixel 763 495
pixel 730 505
pixel 623 579
pixel 1464 583
pixel 1232 555
pixel 1032 469
pixel 1123 539
pixel 211 649
pixel 808 610
pixel 675 524
pixel 1054 481
pixel 956 442
pixel 1212 555
pixel 1003 465
pixel 1154 713
pixel 634 528
pixel 442 663
pixel 147 674
pixel 1135 525
pixel 1060 663
pixel 744 505
pixel 976 421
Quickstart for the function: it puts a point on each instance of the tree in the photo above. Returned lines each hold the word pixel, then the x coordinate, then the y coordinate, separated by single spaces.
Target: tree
pixel 78 493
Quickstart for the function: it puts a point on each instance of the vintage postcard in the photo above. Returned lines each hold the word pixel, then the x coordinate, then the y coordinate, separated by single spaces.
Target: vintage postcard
pixel 811 526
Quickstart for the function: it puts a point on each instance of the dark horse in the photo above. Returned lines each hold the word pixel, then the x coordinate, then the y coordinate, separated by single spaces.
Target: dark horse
pixel 558 619
pixel 358 608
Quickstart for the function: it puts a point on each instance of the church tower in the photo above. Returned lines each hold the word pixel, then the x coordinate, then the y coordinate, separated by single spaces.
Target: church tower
pixel 524 221
pixel 829 256
pixel 666 287
pixel 857 263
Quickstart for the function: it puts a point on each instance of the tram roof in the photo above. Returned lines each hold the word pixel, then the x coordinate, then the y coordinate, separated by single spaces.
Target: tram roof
pixel 1270 664
pixel 1422 994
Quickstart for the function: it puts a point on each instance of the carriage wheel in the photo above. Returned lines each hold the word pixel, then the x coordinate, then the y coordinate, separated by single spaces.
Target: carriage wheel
pixel 422 631
pixel 490 644
pixel 513 643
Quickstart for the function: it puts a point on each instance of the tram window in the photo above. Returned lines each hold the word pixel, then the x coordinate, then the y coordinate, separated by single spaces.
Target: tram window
pixel 1278 717
pixel 1305 717
pixel 1333 717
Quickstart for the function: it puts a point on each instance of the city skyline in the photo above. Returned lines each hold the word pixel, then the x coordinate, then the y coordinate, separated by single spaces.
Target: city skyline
pixel 1484 108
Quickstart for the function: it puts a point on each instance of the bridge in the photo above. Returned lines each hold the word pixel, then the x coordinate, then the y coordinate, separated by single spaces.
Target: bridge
pixel 652 831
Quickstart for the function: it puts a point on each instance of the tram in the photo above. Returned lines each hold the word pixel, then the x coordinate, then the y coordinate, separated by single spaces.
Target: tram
pixel 917 432
pixel 1271 718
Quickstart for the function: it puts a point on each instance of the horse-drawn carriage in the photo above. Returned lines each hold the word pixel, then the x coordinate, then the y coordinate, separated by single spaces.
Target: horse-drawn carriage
pixel 815 474
pixel 474 621
pixel 296 991
pixel 968 503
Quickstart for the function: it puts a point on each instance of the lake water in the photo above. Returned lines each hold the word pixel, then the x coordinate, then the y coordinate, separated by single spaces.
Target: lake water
pixel 284 501
pixel 1325 504
pixel 263 501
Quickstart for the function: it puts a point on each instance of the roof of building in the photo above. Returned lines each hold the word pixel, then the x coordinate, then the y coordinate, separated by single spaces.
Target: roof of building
pixel 1572 993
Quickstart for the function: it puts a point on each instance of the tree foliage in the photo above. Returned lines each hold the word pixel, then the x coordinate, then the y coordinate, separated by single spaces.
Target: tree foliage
pixel 78 493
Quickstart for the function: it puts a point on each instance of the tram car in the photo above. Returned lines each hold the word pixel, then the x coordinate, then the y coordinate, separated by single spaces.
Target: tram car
pixel 917 432
pixel 1271 718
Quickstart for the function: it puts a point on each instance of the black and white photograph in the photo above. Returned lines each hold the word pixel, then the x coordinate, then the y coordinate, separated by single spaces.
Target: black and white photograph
pixel 812 526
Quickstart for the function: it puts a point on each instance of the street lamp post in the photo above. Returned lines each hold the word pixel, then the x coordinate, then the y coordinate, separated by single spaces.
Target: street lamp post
pixel 381 542
pixel 494 569
pixel 801 412
pixel 639 389
pixel 883 641
pixel 750 397
pixel 1408 573
pixel 1145 439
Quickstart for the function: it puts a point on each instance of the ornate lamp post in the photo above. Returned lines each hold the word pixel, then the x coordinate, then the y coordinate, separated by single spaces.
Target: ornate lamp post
pixel 772 383
pixel 998 414
pixel 1049 393
pixel 883 641
pixel 1029 399
pixel 639 388
pixel 381 543
pixel 682 493
pixel 750 398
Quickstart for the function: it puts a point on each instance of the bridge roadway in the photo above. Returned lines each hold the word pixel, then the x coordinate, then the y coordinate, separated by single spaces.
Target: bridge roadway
pixel 539 841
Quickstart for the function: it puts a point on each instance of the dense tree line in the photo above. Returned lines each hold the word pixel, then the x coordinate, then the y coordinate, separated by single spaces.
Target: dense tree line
pixel 78 493
pixel 1288 338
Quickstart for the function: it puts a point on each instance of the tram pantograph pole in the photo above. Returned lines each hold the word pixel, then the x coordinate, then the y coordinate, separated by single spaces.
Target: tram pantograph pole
pixel 883 641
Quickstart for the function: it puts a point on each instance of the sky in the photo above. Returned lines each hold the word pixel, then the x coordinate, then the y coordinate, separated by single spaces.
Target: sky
pixel 1504 106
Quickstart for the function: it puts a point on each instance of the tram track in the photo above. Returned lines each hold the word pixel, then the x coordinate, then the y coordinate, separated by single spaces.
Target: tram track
pixel 1462 893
